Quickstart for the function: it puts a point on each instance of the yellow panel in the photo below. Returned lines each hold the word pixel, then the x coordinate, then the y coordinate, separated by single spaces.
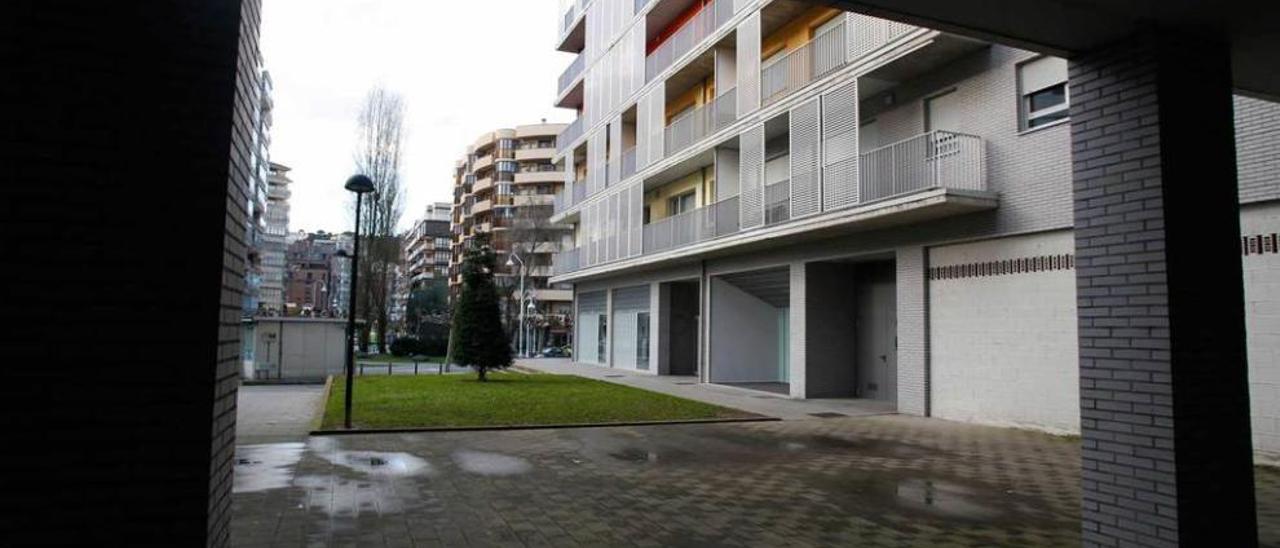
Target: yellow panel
pixel 798 32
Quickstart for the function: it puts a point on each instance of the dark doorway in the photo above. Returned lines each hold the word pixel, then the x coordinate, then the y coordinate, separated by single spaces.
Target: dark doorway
pixel 876 331
pixel 682 327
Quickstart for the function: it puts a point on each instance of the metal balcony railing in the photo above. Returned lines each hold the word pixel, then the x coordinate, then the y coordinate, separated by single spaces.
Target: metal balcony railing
pixel 628 163
pixel 570 196
pixel 566 261
pixel 688 37
pixel 690 227
pixel 571 73
pixel 699 122
pixel 777 202
pixel 569 135
pixel 937 159
pixel 874 33
pixel 815 59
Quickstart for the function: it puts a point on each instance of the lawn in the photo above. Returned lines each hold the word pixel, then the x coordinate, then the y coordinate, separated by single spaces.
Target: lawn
pixel 506 399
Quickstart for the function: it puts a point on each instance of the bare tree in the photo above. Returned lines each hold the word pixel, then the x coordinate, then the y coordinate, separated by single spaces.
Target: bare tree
pixel 381 133
pixel 533 236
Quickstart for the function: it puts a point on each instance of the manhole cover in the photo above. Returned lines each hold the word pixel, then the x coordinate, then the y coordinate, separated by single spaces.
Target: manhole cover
pixel 827 415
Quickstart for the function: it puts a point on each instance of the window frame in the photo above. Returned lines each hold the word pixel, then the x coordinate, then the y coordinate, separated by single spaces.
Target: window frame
pixel 1025 114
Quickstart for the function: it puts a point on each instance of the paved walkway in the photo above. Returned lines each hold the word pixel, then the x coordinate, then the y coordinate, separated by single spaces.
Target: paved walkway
pixel 755 401
pixel 868 481
pixel 276 413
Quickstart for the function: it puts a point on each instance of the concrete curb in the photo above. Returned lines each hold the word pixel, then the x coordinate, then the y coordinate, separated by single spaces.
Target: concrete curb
pixel 535 426
pixel 318 420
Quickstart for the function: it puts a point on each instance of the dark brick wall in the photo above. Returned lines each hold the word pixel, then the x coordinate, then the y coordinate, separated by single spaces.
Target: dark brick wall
pixel 123 159
pixel 1164 400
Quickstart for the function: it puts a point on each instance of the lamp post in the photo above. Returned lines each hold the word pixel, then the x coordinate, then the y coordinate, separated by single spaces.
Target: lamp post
pixel 360 185
pixel 512 258
pixel 531 339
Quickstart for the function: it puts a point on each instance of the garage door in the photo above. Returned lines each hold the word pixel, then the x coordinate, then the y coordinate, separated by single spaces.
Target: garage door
pixel 1002 332
pixel 591 325
pixel 631 327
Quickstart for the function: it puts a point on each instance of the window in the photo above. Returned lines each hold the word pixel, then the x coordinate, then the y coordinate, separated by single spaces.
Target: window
pixel 505 166
pixel 1042 85
pixel 642 340
pixel 682 203
pixel 602 335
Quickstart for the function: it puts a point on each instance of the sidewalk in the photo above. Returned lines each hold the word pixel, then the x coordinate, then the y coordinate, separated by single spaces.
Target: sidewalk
pixel 762 403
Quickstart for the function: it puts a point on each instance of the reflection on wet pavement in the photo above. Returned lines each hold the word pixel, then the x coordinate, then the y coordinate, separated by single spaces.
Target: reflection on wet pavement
pixel 876 481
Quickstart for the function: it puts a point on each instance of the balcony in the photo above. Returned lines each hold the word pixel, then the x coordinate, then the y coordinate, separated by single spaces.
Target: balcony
pixel 821 56
pixel 628 163
pixel 566 261
pixel 549 176
pixel 570 134
pixel 704 223
pixel 572 37
pixel 482 162
pixel 571 74
pixel 688 37
pixel 534 200
pixel 482 206
pixel 535 153
pixel 570 196
pixel 482 185
pixel 699 122
pixel 938 159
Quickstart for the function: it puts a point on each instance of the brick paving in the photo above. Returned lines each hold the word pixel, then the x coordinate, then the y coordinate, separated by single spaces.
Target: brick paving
pixel 866 481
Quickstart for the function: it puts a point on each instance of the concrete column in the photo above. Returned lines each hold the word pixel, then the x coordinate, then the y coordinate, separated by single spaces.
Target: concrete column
pixel 1163 394
pixel 798 352
pixel 659 327
pixel 913 331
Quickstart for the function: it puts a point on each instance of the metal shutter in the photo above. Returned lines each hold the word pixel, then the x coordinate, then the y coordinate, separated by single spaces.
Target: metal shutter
pixel 749 64
pixel 637 218
pixel 751 177
pixel 628 303
pixel 590 307
pixel 840 147
pixel 657 122
pixel 806 174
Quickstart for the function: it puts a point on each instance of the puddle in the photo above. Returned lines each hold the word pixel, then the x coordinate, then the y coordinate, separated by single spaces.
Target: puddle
pixel 943 498
pixel 490 464
pixel 264 467
pixel 372 463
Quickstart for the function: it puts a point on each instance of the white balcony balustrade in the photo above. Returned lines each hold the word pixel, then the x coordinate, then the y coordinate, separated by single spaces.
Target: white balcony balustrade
pixel 688 37
pixel 571 73
pixel 692 126
pixel 570 134
pixel 937 159
pixel 796 69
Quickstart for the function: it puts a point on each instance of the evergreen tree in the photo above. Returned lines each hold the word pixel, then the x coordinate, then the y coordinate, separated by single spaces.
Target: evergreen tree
pixel 477 338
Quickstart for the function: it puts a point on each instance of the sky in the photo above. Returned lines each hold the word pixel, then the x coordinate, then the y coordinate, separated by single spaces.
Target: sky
pixel 463 68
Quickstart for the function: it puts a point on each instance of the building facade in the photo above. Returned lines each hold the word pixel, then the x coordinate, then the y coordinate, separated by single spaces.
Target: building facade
pixel 274 244
pixel 787 197
pixel 256 204
pixel 309 275
pixel 505 187
pixel 428 247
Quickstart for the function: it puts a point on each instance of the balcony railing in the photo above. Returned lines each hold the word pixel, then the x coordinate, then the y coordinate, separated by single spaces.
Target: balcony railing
pixel 628 163
pixel 874 33
pixel 570 195
pixel 936 159
pixel 569 135
pixel 817 58
pixel 566 261
pixel 688 37
pixel 777 202
pixel 571 73
pixel 692 126
pixel 692 227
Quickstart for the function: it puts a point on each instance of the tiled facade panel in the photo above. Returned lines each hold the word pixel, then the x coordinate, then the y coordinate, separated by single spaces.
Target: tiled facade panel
pixel 913 323
pixel 806 171
pixel 1257 149
pixel 1002 343
pixel 1031 171
pixel 840 147
pixel 1261 265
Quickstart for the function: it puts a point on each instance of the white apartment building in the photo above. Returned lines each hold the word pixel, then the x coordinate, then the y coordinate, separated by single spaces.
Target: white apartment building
pixel 785 197
pixel 274 243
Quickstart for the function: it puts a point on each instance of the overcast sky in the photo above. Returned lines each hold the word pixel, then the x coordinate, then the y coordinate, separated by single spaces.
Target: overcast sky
pixel 463 68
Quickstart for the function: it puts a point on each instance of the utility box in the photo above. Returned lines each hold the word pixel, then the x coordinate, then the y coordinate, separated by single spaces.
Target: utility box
pixel 297 349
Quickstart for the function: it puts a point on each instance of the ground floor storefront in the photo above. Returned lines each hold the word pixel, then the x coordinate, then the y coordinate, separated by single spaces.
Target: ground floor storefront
pixel 976 330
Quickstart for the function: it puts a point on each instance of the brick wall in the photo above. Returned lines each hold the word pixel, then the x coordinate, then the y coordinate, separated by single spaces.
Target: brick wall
pixel 913 334
pixel 1261 266
pixel 117 194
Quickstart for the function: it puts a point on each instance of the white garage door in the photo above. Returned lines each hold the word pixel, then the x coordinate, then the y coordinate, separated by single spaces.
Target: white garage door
pixel 591 321
pixel 1260 245
pixel 1002 332
pixel 631 327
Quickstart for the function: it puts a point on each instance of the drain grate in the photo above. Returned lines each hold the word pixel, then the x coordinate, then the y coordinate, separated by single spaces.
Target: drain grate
pixel 614 376
pixel 827 415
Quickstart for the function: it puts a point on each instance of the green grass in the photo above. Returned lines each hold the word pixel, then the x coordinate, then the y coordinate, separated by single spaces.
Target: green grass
pixel 384 358
pixel 506 399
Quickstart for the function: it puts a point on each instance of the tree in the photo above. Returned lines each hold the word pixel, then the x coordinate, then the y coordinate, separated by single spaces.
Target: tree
pixel 477 339
pixel 380 131
pixel 427 316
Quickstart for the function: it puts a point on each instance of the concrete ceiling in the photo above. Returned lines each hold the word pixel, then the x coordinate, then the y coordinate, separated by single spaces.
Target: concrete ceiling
pixel 1063 27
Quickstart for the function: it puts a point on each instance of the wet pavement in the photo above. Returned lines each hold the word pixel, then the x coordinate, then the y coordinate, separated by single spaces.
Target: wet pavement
pixel 875 481
pixel 277 413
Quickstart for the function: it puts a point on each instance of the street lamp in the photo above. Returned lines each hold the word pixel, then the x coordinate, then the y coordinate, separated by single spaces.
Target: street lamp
pixel 530 339
pixel 360 185
pixel 512 258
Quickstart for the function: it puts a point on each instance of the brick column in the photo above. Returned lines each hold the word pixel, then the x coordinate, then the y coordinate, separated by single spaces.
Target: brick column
pixel 913 331
pixel 1163 392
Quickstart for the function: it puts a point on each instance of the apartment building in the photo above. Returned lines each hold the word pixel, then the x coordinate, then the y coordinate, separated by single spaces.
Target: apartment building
pixel 428 246
pixel 256 199
pixel 781 196
pixel 274 245
pixel 505 186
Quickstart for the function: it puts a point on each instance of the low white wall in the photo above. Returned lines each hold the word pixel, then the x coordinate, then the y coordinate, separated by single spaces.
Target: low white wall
pixel 1003 346
pixel 1262 322
pixel 300 348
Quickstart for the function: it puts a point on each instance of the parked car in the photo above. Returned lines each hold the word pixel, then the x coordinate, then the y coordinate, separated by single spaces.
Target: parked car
pixel 553 352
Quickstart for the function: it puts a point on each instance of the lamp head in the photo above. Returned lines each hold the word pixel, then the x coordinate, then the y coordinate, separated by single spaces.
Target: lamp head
pixel 511 261
pixel 359 184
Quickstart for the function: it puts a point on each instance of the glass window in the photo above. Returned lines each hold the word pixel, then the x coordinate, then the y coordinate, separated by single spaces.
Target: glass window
pixel 642 340
pixel 602 335
pixel 682 203
pixel 1042 84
